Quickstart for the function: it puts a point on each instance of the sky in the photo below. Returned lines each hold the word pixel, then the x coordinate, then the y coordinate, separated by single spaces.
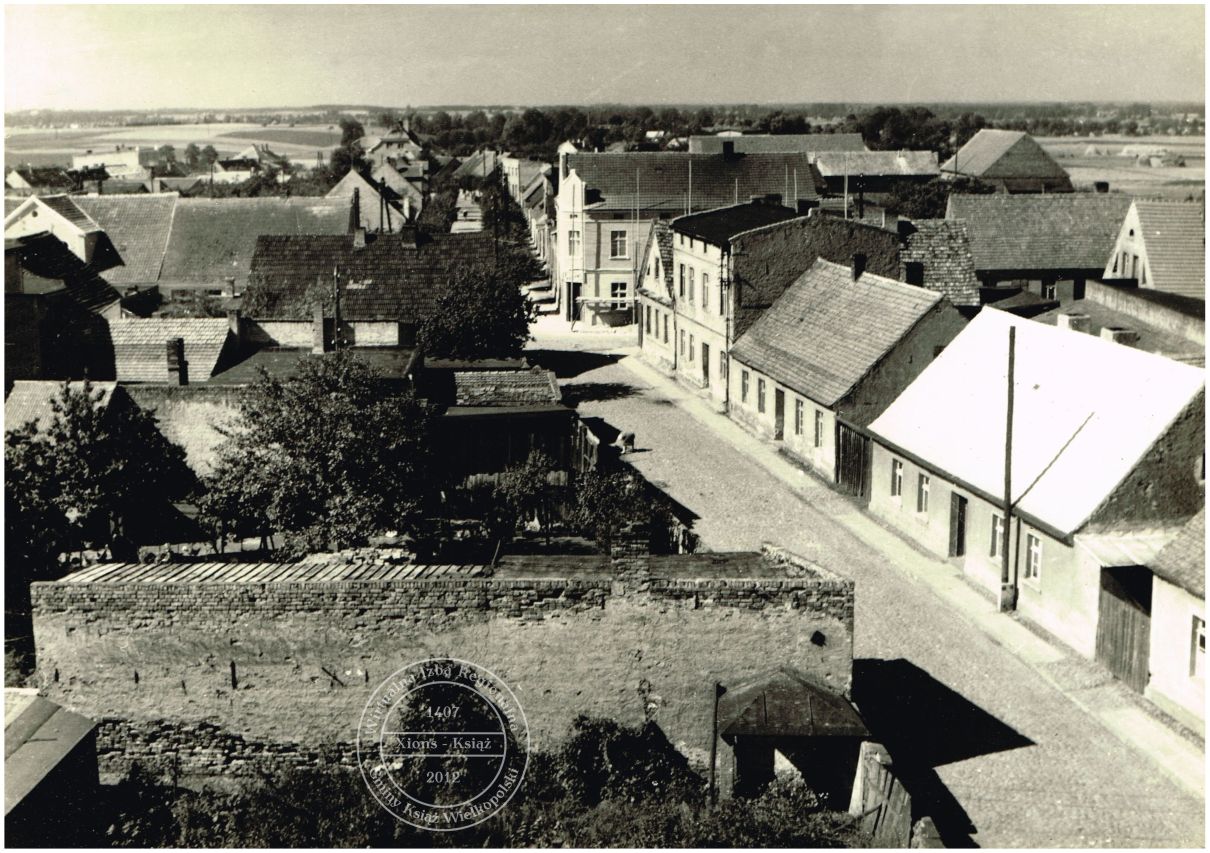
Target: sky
pixel 213 57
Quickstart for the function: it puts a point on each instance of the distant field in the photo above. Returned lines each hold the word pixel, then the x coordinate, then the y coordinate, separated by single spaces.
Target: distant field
pixel 48 147
pixel 1123 173
pixel 289 136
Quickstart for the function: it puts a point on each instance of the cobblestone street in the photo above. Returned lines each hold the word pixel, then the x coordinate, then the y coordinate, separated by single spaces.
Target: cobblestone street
pixel 1017 762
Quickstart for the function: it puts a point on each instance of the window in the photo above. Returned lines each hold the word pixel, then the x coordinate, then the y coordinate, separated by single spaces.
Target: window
pixel 743 387
pixel 705 290
pixel 913 273
pixel 997 544
pixel 617 292
pixel 657 267
pixel 722 300
pixel 1033 558
pixel 691 285
pixel 647 320
pixel 818 428
pixel 692 346
pixel 760 395
pixel 682 341
pixel 617 244
pixel 1197 654
pixel 922 494
pixel 665 328
pixel 896 478
pixel 682 281
pixel 798 410
pixel 1143 273
pixel 573 242
pixel 722 366
pixel 1048 289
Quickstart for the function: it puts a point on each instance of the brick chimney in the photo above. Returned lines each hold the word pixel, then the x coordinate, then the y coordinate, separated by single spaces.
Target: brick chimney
pixel 1075 322
pixel 235 325
pixel 356 207
pixel 858 265
pixel 318 339
pixel 728 149
pixel 1120 335
pixel 178 370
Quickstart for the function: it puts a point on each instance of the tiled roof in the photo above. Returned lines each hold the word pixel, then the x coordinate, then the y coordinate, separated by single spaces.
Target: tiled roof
pixel 385 280
pixel 46 177
pixel 140 346
pixel 662 178
pixel 74 213
pixel 1183 560
pixel 943 247
pixel 662 235
pixel 1040 232
pixel 1174 233
pixel 826 332
pixel 478 165
pixel 214 239
pixel 45 259
pixel 1085 412
pixel 11 204
pixel 391 363
pixel 138 226
pixel 998 154
pixel 31 401
pixel 370 197
pixel 721 224
pixel 780 143
pixel 903 163
pixel 533 387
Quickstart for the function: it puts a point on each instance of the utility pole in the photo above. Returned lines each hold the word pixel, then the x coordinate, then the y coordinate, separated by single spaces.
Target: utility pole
pixel 336 309
pixel 1008 586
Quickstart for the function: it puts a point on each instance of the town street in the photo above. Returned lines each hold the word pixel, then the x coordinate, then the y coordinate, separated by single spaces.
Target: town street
pixel 1007 720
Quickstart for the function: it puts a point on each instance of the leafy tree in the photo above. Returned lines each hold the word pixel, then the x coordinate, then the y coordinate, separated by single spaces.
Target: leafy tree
pixel 36 530
pixel 167 154
pixel 929 201
pixel 350 131
pixel 209 156
pixel 193 155
pixel 324 457
pixel 347 158
pixel 481 312
pixel 524 490
pixel 606 503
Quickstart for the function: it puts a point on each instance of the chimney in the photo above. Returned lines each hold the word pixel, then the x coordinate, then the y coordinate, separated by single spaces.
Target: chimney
pixel 1101 186
pixel 407 236
pixel 858 265
pixel 178 370
pixel 1120 335
pixel 235 326
pixel 318 339
pixel 728 149
pixel 804 207
pixel 773 199
pixel 906 229
pixel 1075 321
pixel 359 238
pixel 563 170
pixel 407 209
pixel 356 207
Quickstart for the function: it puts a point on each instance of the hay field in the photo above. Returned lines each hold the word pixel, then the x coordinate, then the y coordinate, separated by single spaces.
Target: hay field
pixel 1123 172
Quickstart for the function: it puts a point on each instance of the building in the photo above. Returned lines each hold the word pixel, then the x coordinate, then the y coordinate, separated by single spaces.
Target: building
pixel 478 165
pixel 397 146
pixel 853 174
pixel 519 172
pixel 1162 246
pixel 1106 450
pixel 1176 643
pixel 406 184
pixel 1171 326
pixel 235 170
pixel 31 180
pixel 1049 245
pixel 837 347
pixel 172 350
pixel 606 203
pixel 1011 161
pixel 266 157
pixel 379 208
pixel 777 143
pixel 122 163
pixel 51 782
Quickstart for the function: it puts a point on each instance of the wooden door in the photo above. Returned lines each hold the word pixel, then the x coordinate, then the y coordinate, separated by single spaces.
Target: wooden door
pixel 1124 624
pixel 779 414
pixel 957 525
pixel 852 461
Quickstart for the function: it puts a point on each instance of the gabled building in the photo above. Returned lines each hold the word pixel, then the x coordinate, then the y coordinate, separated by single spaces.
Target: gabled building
pixel 777 143
pixel 657 301
pixel 606 203
pixel 171 350
pixel 122 162
pixel 267 158
pixel 379 208
pixel 1162 246
pixel 837 347
pixel 1049 245
pixel 1011 161
pixel 399 145
pixel 235 170
pixel 856 173
pixel 1106 449
pixel 38 180
pixel 1176 642
pixel 406 184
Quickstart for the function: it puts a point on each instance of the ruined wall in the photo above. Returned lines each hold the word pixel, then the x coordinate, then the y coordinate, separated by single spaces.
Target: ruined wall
pixel 285 669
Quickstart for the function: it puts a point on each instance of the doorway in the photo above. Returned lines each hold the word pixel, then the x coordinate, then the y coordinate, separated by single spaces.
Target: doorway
pixel 779 414
pixel 706 364
pixel 957 525
pixel 1124 624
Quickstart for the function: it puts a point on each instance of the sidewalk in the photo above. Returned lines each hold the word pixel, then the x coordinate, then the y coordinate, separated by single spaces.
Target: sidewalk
pixel 1107 701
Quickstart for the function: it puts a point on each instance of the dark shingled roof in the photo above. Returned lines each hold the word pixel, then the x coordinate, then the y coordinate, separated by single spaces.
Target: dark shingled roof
pixel 140 346
pixel 46 177
pixel 533 387
pixel 663 178
pixel 46 264
pixel 138 226
pixel 281 362
pixel 385 280
pixel 662 235
pixel 74 213
pixel 1008 155
pixel 826 332
pixel 943 247
pixel 778 143
pixel 1183 560
pixel 1174 233
pixel 1040 232
pixel 787 703
pixel 30 400
pixel 720 225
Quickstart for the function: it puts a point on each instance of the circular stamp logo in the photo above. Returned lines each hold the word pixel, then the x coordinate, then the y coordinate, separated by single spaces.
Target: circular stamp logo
pixel 443 744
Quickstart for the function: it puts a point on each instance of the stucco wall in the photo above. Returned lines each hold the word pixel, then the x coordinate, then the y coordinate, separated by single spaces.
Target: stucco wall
pixel 821 459
pixel 297 333
pixel 152 654
pixel 1172 687
pixel 191 416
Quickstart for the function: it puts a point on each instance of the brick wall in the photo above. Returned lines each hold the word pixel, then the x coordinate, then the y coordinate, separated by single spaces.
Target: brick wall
pixel 216 675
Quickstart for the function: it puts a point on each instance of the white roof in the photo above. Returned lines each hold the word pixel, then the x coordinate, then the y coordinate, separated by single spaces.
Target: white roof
pixel 1086 410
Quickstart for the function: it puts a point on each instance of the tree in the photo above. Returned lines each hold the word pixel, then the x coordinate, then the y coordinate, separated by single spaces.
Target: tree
pixel 167 154
pixel 35 529
pixel 347 158
pixel 929 201
pixel 193 155
pixel 524 490
pixel 350 131
pixel 209 156
pixel 324 457
pixel 606 503
pixel 481 312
